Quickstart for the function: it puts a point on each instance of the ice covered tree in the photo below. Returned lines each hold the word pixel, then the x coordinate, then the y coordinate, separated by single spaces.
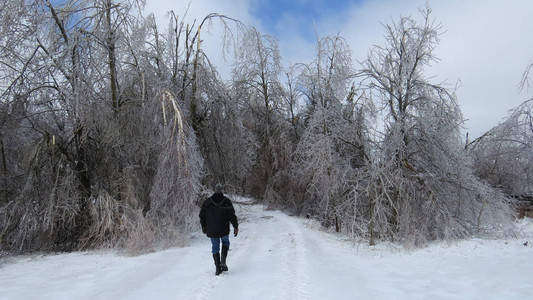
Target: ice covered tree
pixel 88 102
pixel 38 84
pixel 216 114
pixel 256 83
pixel 281 190
pixel 425 188
pixel 331 146
pixel 504 154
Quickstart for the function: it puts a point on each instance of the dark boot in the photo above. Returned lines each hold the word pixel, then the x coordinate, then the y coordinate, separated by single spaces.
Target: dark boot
pixel 216 258
pixel 223 265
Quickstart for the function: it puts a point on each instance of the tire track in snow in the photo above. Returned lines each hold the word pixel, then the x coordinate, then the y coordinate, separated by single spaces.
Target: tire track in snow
pixel 272 247
pixel 296 280
pixel 206 288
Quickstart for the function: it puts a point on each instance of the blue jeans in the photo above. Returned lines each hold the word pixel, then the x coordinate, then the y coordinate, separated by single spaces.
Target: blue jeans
pixel 216 243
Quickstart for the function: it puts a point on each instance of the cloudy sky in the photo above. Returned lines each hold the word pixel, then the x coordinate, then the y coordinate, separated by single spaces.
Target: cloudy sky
pixel 485 46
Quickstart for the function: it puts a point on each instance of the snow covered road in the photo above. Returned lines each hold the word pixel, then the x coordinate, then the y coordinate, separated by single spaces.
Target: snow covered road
pixel 277 256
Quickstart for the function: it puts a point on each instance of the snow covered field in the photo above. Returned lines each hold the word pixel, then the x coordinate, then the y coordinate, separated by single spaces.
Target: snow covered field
pixel 277 256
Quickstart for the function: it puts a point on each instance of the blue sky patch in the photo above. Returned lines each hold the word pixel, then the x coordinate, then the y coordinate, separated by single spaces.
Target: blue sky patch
pixel 275 14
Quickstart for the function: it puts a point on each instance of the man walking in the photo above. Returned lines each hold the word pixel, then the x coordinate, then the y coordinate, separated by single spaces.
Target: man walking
pixel 215 216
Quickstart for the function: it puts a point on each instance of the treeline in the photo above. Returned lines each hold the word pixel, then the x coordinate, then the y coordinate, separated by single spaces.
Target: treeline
pixel 113 129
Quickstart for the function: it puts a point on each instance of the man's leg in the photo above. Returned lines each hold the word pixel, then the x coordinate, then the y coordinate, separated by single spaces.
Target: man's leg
pixel 215 243
pixel 225 248
pixel 225 241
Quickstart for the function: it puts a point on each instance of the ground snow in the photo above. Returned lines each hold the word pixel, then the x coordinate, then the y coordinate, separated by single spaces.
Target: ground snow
pixel 280 257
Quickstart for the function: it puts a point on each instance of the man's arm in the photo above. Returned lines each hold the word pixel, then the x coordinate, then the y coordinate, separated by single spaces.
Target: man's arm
pixel 233 218
pixel 202 218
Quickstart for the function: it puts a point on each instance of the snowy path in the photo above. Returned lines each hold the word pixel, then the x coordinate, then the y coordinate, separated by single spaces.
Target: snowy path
pixel 280 257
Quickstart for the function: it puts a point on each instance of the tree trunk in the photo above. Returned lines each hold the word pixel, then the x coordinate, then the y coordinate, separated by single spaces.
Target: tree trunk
pixel 112 57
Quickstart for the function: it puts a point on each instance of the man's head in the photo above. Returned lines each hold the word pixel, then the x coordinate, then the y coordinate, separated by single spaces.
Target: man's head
pixel 219 188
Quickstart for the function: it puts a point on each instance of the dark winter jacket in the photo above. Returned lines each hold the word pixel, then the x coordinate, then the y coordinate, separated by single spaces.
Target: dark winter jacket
pixel 216 214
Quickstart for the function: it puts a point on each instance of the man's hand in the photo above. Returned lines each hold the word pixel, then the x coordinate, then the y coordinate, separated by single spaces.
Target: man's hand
pixel 204 230
pixel 235 231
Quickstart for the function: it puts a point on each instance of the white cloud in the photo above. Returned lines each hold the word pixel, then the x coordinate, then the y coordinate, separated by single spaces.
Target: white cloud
pixel 486 45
